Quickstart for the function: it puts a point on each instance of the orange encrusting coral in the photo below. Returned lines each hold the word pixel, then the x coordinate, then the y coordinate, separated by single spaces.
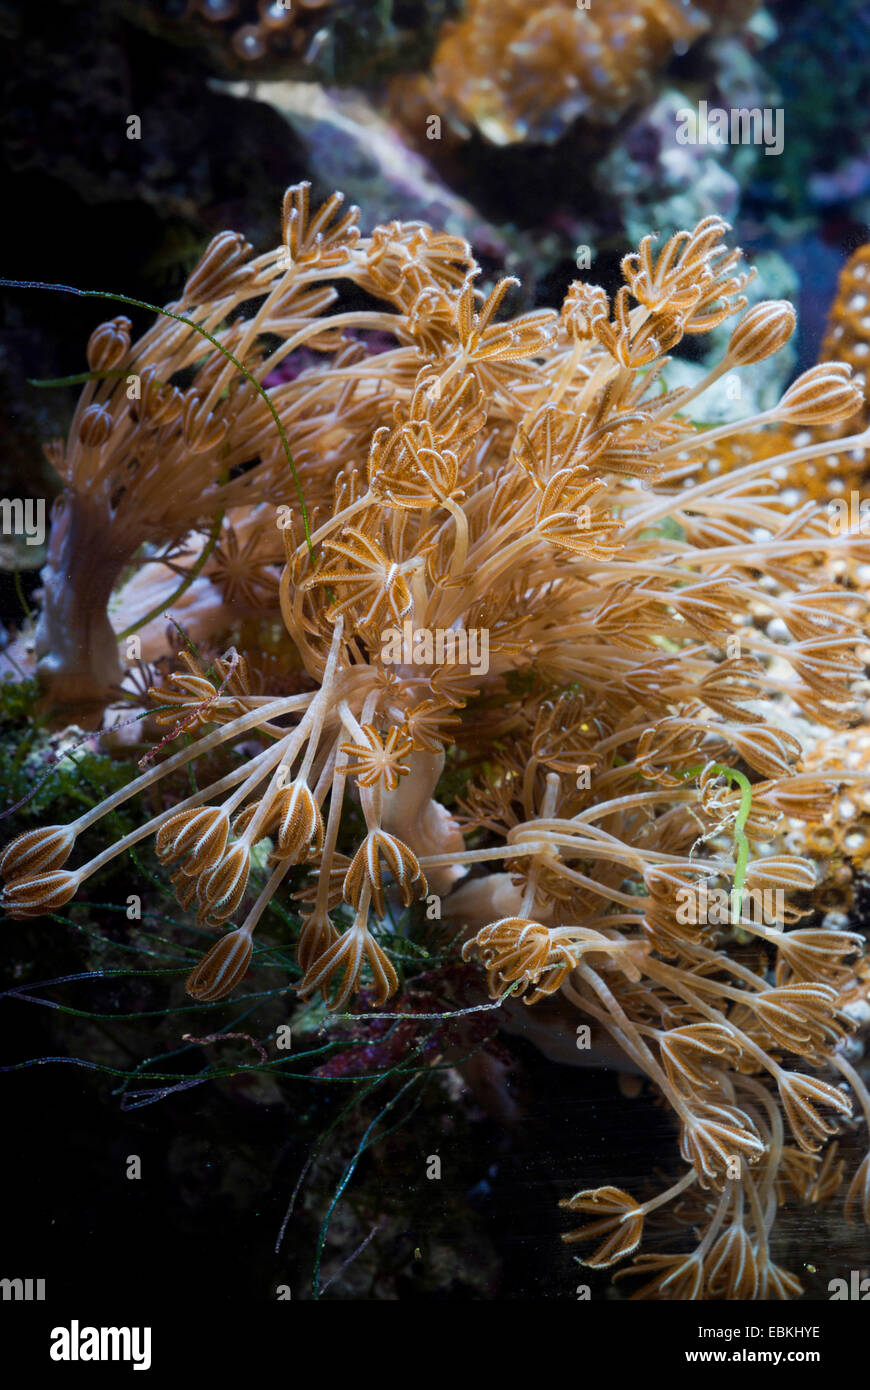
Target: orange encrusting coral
pixel 519 72
pixel 847 338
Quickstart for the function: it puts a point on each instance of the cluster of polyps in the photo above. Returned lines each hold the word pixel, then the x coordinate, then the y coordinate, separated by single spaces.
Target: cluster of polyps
pixel 520 72
pixel 651 620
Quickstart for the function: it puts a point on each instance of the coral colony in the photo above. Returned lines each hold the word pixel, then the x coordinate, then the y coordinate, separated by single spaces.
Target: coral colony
pixel 666 641
pixel 515 71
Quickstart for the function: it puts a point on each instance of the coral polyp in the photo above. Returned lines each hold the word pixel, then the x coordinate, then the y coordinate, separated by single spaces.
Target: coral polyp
pixel 663 638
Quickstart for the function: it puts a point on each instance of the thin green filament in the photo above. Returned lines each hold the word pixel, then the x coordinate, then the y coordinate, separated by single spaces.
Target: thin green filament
pixel 197 328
